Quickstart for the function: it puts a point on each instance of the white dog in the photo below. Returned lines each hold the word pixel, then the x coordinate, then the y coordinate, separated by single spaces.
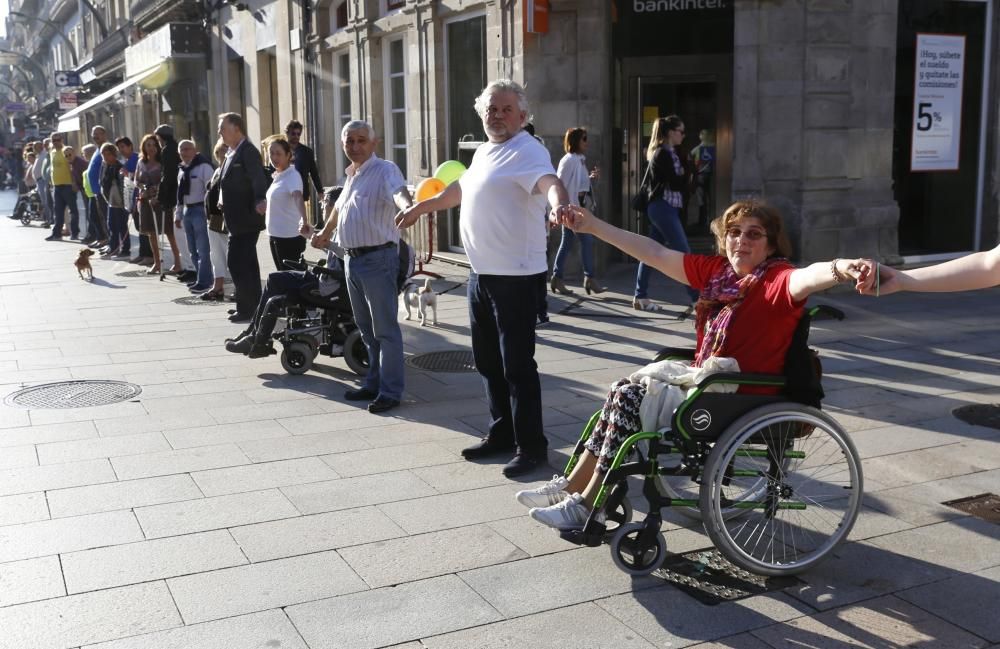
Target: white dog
pixel 421 298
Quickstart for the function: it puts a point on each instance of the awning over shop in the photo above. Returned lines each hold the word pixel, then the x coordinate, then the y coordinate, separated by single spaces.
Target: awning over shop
pixel 68 117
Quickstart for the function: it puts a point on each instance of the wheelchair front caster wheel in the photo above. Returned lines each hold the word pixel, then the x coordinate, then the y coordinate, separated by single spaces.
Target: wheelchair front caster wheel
pixel 619 516
pixel 297 358
pixel 355 353
pixel 636 551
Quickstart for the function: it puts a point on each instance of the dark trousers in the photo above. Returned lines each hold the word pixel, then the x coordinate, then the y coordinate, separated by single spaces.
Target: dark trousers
pixel 97 219
pixel 286 248
pixel 65 197
pixel 245 271
pixel 285 285
pixel 118 238
pixel 502 312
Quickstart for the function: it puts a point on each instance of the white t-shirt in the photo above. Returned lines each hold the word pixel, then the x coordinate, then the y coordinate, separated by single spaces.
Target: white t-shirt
pixel 283 214
pixel 502 223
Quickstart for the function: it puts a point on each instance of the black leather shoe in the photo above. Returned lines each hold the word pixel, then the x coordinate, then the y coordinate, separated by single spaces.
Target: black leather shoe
pixel 487 448
pixel 361 394
pixel 241 345
pixel 522 464
pixel 260 351
pixel 53 237
pixel 245 332
pixel 382 404
pixel 239 317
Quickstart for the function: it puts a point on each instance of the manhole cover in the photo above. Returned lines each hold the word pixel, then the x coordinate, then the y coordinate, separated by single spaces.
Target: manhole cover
pixel 73 394
pixel 984 506
pixel 195 300
pixel 133 273
pixel 710 579
pixel 450 361
pixel 979 414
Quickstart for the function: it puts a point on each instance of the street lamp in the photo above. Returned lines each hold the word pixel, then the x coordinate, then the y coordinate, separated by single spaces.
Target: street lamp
pixel 58 30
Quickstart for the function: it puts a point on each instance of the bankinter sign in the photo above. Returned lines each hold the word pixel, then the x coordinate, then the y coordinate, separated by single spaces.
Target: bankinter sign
pixel 649 6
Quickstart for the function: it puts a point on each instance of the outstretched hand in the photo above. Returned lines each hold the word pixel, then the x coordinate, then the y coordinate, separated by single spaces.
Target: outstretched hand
pixel 884 280
pixel 576 218
pixel 406 218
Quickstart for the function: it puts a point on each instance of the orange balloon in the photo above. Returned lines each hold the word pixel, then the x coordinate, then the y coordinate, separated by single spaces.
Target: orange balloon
pixel 429 188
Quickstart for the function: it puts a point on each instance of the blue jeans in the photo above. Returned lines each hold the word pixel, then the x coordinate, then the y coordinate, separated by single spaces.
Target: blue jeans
pixel 196 231
pixel 65 197
pixel 586 252
pixel 502 312
pixel 371 283
pixel 118 237
pixel 45 195
pixel 666 230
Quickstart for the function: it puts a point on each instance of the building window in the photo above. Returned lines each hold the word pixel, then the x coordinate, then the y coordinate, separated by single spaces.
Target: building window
pixel 394 4
pixel 339 17
pixel 342 99
pixel 395 102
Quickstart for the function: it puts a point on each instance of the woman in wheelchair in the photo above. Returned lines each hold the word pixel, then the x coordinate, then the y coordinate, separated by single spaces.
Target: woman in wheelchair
pixel 750 303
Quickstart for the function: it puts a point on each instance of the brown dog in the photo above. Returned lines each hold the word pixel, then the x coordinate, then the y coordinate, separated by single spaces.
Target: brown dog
pixel 82 264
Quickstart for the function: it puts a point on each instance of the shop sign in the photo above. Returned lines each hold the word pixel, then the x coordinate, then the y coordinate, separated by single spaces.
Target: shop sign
pixel 15 107
pixel 672 27
pixel 67 100
pixel 937 102
pixel 67 79
pixel 536 16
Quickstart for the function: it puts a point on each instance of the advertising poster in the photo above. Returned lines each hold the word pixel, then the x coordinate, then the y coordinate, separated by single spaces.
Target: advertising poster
pixel 937 102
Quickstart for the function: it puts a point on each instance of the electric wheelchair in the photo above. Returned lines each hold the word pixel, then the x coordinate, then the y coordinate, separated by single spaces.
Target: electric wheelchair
pixel 776 482
pixel 316 324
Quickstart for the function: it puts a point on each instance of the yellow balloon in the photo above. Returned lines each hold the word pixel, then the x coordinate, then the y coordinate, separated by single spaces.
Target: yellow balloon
pixel 429 188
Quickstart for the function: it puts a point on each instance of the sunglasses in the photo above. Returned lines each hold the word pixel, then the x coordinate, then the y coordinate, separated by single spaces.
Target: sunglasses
pixel 752 235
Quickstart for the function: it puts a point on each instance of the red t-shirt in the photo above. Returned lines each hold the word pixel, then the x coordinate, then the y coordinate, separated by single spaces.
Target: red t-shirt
pixel 762 326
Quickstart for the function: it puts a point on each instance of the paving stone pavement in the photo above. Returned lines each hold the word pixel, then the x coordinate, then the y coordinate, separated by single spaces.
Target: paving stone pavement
pixel 234 506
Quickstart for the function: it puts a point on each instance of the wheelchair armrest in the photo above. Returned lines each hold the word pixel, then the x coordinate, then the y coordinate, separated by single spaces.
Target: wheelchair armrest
pixel 825 310
pixel 674 353
pixel 295 264
pixel 323 270
pixel 742 378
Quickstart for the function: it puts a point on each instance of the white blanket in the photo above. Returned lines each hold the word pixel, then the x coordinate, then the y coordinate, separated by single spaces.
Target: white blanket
pixel 668 384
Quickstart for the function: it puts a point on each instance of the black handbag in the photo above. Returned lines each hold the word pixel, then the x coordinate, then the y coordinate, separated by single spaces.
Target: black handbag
pixel 640 202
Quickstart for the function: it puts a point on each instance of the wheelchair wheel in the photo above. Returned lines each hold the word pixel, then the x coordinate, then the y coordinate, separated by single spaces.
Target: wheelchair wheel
pixel 811 493
pixel 297 358
pixel 637 551
pixel 355 353
pixel 618 509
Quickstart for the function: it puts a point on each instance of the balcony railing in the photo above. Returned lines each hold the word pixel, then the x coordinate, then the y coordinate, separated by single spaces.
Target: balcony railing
pixel 150 14
pixel 112 46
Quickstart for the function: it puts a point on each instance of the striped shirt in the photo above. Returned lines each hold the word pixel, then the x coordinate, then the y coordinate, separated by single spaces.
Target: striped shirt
pixel 365 210
pixel 674 199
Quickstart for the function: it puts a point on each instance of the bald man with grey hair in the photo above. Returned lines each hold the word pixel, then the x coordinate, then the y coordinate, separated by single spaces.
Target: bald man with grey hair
pixel 364 219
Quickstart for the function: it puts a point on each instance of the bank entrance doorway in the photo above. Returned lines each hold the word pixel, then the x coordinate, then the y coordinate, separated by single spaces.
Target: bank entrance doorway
pixel 940 127
pixel 702 97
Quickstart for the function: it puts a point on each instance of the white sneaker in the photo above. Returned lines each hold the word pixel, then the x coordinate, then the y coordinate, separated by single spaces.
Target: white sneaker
pixel 570 514
pixel 550 493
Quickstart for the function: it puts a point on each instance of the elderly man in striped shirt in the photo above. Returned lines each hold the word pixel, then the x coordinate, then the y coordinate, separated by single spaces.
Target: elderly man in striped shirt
pixel 364 219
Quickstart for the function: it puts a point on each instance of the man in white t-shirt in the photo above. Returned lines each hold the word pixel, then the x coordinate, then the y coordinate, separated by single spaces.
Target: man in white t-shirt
pixel 501 196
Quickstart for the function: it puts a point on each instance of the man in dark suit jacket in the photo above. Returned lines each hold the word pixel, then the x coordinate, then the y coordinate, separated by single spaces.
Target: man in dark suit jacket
pixel 304 160
pixel 242 199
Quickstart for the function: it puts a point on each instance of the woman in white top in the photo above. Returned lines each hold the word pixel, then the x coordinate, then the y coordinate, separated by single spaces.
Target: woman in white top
pixel 286 211
pixel 573 173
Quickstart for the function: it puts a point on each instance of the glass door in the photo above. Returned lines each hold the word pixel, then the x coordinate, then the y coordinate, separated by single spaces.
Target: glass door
pixel 466 76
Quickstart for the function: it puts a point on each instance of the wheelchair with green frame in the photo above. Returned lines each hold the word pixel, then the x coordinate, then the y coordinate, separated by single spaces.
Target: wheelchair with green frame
pixel 776 482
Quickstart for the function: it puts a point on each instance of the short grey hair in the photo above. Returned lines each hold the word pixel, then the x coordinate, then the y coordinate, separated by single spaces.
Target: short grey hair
pixel 183 142
pixel 357 125
pixel 88 149
pixel 503 85
pixel 98 128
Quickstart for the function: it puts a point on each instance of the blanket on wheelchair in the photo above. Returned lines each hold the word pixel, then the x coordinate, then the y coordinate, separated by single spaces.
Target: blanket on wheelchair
pixel 668 384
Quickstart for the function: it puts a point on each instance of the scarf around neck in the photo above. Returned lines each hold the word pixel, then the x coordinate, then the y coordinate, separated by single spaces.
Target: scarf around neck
pixel 718 301
pixel 184 185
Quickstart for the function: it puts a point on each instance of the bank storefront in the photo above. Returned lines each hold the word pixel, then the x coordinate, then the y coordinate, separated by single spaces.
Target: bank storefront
pixel 868 124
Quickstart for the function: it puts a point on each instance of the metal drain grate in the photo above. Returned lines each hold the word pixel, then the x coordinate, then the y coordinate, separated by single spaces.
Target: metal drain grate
pixel 706 576
pixel 979 414
pixel 984 506
pixel 133 273
pixel 449 361
pixel 73 394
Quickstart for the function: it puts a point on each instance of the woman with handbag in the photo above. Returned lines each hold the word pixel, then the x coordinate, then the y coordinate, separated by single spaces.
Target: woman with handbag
pixel 664 184
pixel 152 218
pixel 573 173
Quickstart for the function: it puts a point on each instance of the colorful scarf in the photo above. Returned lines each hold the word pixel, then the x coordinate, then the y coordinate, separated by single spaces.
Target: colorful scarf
pixel 718 300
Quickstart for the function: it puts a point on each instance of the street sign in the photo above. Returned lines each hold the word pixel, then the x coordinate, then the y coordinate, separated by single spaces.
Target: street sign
pixel 9 58
pixel 67 100
pixel 15 107
pixel 67 79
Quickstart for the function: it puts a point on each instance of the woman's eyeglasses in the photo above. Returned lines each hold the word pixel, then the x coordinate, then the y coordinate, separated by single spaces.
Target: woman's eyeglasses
pixel 752 235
